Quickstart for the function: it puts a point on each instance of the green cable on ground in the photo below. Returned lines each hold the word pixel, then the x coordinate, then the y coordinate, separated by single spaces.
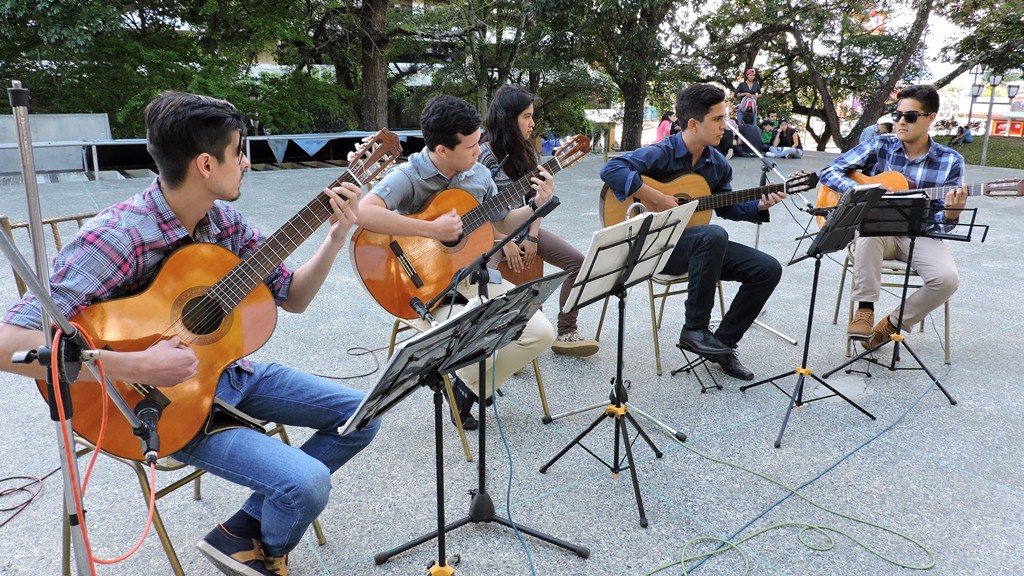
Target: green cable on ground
pixel 824 530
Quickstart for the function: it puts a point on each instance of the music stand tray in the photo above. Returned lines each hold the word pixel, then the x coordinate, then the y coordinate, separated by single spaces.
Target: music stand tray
pixel 621 256
pixel 838 231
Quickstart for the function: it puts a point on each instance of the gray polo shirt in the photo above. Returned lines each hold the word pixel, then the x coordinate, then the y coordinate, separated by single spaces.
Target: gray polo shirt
pixel 406 188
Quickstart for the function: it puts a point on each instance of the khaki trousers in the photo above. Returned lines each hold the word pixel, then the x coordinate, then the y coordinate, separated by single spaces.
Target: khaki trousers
pixel 535 339
pixel 933 262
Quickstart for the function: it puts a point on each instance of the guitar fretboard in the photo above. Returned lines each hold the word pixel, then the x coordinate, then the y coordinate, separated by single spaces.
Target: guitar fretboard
pixel 510 196
pixel 713 201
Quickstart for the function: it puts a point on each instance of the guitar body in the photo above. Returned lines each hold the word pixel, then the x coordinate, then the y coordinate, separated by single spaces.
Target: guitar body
pixel 828 198
pixel 684 188
pixel 136 322
pixel 387 265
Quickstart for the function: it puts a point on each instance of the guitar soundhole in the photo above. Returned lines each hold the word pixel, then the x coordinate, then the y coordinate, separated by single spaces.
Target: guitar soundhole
pixel 202 315
pixel 454 244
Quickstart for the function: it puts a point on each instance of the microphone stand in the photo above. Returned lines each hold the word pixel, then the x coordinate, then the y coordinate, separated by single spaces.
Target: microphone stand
pixel 74 350
pixel 766 167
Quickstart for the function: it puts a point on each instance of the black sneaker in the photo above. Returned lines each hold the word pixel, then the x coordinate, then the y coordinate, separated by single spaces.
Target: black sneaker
pixel 730 364
pixel 233 555
pixel 701 341
pixel 464 400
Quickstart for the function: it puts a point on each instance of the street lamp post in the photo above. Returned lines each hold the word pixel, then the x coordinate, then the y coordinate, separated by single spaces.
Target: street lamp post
pixel 975 92
pixel 994 79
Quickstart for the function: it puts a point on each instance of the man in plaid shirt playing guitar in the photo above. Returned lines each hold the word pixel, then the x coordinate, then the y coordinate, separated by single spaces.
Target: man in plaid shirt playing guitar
pixel 925 163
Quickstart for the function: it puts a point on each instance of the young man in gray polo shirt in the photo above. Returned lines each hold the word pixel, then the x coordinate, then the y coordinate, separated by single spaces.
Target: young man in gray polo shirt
pixel 451 131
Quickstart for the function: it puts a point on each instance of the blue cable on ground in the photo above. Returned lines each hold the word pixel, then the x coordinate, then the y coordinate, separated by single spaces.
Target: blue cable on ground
pixel 508 485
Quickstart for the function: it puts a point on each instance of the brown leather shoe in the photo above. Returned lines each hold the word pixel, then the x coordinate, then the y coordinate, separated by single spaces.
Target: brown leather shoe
pixel 881 333
pixel 863 320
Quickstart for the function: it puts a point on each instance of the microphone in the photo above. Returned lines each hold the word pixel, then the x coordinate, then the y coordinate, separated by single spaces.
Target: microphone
pixel 817 211
pixel 149 411
pixel 421 310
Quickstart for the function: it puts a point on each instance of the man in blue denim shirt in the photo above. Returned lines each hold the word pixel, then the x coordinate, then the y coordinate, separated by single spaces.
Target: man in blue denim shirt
pixel 704 253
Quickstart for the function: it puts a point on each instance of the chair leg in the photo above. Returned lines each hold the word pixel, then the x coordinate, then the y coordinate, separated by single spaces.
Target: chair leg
pixel 839 293
pixel 158 523
pixel 654 326
pixel 946 340
pixel 540 388
pixel 721 299
pixel 320 538
pixel 600 323
pixel 455 416
pixel 661 307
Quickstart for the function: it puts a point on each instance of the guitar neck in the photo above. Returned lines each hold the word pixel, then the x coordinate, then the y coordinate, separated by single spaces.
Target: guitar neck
pixel 713 201
pixel 510 196
pixel 939 192
pixel 241 280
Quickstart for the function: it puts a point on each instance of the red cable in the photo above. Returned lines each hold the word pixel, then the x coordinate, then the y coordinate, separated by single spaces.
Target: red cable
pixel 69 448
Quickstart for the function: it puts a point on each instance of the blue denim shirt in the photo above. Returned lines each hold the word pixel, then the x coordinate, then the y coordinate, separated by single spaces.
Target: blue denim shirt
pixel 670 158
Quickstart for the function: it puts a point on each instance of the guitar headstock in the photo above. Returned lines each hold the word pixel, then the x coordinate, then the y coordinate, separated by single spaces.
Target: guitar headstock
pixel 373 155
pixel 1008 188
pixel 801 181
pixel 572 151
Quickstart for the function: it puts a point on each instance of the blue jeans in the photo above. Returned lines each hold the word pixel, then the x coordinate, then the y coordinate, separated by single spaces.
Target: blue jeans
pixel 290 484
pixel 706 255
pixel 785 151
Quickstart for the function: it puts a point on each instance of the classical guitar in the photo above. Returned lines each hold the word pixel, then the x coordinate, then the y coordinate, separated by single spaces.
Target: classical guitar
pixel 1006 188
pixel 216 303
pixel 687 187
pixel 394 269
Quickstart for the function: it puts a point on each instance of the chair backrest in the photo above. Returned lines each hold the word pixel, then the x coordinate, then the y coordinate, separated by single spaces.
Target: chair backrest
pixel 14 230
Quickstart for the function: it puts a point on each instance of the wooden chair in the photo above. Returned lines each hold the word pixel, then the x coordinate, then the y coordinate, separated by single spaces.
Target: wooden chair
pixel 895 271
pixel 673 285
pixel 71 224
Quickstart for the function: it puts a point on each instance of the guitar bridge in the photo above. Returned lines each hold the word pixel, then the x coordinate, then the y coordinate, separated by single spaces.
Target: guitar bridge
pixel 407 266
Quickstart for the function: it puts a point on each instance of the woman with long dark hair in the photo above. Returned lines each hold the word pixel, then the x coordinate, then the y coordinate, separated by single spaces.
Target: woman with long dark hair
pixel 510 154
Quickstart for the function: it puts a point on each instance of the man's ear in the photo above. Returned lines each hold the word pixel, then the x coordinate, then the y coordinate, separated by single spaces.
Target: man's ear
pixel 203 163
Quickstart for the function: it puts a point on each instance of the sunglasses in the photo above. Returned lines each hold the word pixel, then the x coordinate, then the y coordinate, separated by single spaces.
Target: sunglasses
pixel 910 116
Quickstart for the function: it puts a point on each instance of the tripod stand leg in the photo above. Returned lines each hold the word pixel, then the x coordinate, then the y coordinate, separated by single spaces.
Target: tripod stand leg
pixel 930 375
pixel 581 551
pixel 797 392
pixel 657 453
pixel 624 437
pixel 574 442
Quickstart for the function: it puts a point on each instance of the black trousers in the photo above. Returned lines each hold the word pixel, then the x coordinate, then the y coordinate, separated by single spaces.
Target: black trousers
pixel 706 255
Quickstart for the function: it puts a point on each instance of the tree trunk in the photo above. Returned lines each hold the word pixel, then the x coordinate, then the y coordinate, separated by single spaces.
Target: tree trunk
pixel 634 93
pixel 374 99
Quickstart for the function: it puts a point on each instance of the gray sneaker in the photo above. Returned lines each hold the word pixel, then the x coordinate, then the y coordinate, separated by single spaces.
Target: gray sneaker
pixel 572 344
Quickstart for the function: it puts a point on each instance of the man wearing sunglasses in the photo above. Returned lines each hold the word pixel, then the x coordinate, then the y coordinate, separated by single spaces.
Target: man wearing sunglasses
pixel 925 163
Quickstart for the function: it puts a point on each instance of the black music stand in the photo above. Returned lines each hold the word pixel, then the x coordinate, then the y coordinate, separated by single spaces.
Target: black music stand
pixel 480 331
pixel 837 232
pixel 621 256
pixel 911 215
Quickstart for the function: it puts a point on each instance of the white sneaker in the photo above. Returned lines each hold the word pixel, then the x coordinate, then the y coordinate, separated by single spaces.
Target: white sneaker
pixel 572 344
pixel 770 154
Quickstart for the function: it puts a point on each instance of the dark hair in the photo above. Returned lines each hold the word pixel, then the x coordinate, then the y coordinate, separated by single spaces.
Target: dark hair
pixel 666 115
pixel 765 123
pixel 926 94
pixel 444 118
pixel 503 135
pixel 181 126
pixel 888 126
pixel 695 102
pixel 770 112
